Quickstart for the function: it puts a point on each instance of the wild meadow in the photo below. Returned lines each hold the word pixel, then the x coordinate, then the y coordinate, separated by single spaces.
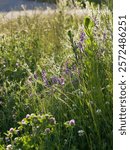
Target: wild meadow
pixel 56 80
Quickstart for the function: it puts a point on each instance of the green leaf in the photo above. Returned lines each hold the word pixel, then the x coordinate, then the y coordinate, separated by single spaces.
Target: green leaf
pixel 70 34
pixel 86 22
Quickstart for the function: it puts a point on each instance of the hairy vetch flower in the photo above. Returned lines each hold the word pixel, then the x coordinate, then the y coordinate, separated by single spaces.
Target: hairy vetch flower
pixel 80 46
pixel 43 75
pixel 54 80
pixel 67 69
pixel 82 37
pixel 44 78
pixel 81 41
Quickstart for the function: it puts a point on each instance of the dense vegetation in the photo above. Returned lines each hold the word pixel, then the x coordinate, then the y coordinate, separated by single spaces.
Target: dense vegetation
pixel 82 3
pixel 56 81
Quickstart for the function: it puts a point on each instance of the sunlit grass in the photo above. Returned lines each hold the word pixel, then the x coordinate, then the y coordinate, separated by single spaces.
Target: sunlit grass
pixel 57 63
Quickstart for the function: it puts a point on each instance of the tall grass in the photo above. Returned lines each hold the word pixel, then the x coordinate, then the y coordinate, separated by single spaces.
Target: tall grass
pixel 82 3
pixel 57 68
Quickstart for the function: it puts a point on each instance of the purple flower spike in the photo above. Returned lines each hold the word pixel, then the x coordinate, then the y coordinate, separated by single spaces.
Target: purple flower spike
pixel 67 71
pixel 44 77
pixel 80 46
pixel 82 37
pixel 81 41
pixel 54 80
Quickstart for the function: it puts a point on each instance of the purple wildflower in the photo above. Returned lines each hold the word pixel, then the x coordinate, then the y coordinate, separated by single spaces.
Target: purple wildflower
pixel 11 130
pixel 27 116
pixel 81 41
pixel 44 78
pixel 72 122
pixel 68 69
pixel 80 46
pixel 23 122
pixel 82 37
pixel 43 75
pixel 54 80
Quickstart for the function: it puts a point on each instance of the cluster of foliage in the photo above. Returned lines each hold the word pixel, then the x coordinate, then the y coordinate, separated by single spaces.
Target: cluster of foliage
pixel 37 132
pixel 56 71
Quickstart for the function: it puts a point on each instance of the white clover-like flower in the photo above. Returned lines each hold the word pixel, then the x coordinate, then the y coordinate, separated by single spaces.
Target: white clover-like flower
pixel 27 116
pixel 9 147
pixel 98 111
pixel 81 132
pixel 11 130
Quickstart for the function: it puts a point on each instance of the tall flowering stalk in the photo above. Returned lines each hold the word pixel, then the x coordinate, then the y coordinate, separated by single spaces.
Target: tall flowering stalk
pixel 81 41
pixel 76 46
pixel 73 44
